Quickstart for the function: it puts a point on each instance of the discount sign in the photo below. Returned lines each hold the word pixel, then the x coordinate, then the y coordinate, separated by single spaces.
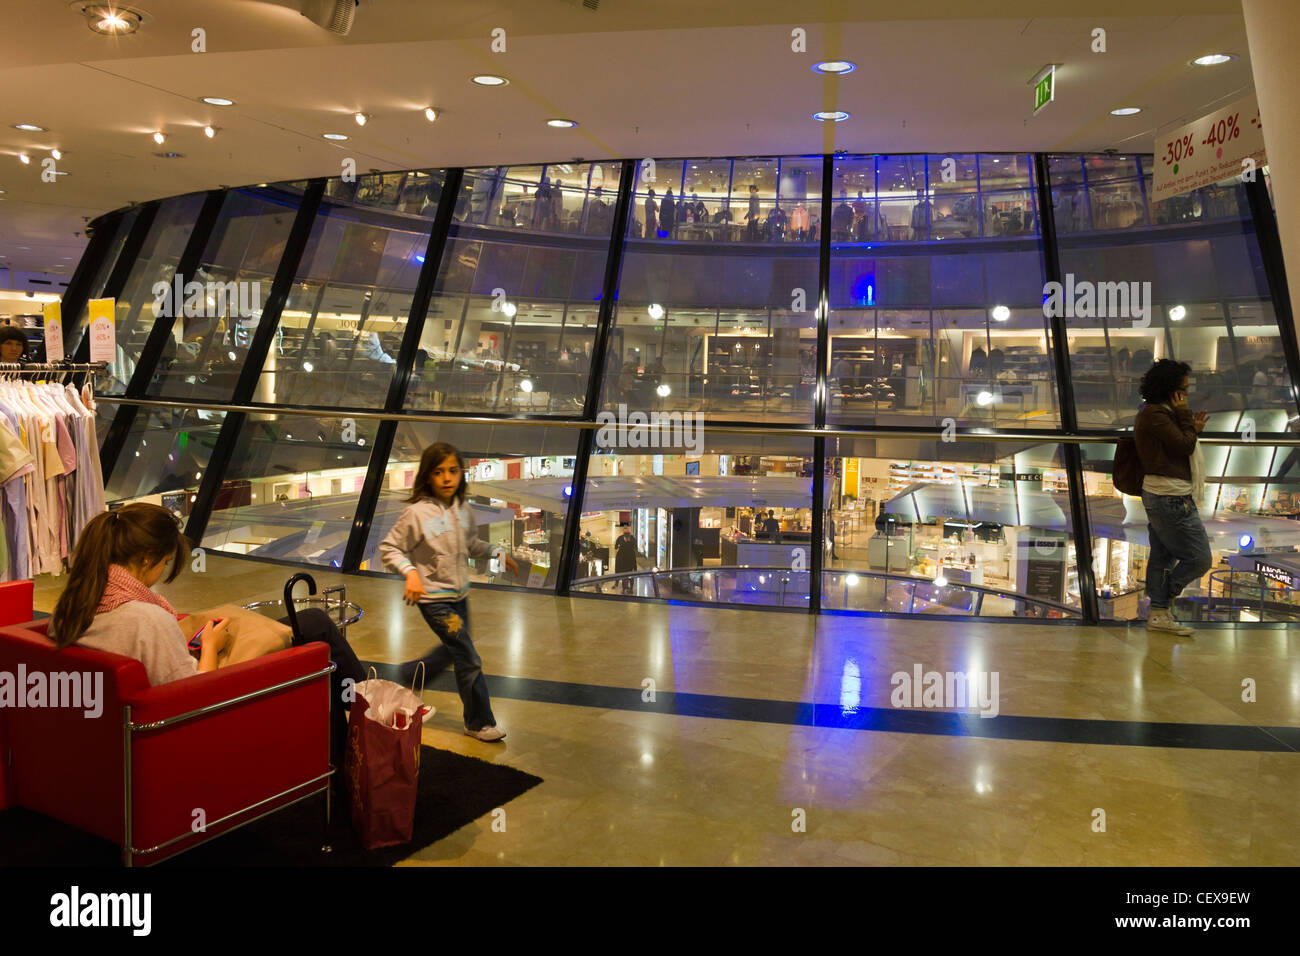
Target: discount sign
pixel 1209 150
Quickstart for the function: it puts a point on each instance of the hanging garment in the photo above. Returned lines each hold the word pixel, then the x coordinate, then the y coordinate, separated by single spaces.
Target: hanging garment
pixel 51 484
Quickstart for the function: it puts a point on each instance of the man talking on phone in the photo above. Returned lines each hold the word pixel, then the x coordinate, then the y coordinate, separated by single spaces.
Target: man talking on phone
pixel 1165 435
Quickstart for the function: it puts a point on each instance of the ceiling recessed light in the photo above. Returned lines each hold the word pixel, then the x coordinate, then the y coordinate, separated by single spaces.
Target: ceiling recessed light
pixel 360 118
pixel 561 123
pixel 834 67
pixel 831 116
pixel 1126 111
pixel 209 131
pixel 1213 59
pixel 217 101
pixel 29 127
pixel 488 79
pixel 159 138
pixel 430 113
pixel 335 136
pixel 112 21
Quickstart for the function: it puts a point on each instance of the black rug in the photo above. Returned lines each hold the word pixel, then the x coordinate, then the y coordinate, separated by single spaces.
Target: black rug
pixel 454 791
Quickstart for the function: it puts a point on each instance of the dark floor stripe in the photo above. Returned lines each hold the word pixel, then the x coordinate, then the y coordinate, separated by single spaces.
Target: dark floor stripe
pixel 1065 730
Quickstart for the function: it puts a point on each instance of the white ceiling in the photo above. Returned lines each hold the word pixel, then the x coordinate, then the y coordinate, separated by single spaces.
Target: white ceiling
pixel 643 77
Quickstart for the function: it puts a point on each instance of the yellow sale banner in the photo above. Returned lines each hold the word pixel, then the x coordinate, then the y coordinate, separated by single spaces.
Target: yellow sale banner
pixel 103 335
pixel 53 331
pixel 1213 148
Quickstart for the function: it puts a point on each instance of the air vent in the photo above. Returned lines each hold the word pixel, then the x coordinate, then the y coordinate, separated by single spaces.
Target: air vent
pixel 334 15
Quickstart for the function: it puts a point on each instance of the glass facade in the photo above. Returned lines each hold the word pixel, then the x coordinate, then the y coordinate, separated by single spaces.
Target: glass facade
pixel 634 359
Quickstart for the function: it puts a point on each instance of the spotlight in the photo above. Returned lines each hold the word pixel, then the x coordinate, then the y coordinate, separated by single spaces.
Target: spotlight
pixel 307 367
pixel 984 398
pixel 834 67
pixel 1245 542
pixel 663 391
pixel 656 311
pixel 24 158
pixel 526 385
pixel 360 118
pixel 210 132
pixel 56 153
pixel 1177 313
pixel 430 113
pixel 851 579
pixel 941 581
pixel 509 309
pixel 159 138
pixel 1001 313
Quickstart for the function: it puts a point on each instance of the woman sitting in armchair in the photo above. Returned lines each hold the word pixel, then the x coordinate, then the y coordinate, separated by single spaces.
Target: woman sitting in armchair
pixel 108 605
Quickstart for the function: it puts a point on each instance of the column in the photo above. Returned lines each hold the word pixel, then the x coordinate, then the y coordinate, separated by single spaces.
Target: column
pixel 1271 29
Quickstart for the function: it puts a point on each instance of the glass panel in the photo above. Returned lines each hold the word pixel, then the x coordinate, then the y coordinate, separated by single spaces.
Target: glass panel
pixel 948 528
pixel 291 489
pixel 342 326
pixel 222 302
pixel 1251 498
pixel 164 458
pixel 721 519
pixel 957 335
pixel 728 336
pixel 157 262
pixel 904 209
pixel 74 327
pixel 855 182
pixel 1181 291
pixel 519 488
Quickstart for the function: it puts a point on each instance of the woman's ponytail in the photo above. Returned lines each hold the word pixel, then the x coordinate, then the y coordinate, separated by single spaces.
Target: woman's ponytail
pixel 134 535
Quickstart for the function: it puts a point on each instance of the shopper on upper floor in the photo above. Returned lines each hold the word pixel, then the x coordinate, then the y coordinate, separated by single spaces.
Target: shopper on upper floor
pixel 1165 435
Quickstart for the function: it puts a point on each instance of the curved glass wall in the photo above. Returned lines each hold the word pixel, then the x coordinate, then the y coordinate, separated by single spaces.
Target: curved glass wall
pixel 632 358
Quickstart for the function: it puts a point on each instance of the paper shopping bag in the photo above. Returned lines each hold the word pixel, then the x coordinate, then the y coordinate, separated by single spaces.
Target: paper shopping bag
pixel 383 761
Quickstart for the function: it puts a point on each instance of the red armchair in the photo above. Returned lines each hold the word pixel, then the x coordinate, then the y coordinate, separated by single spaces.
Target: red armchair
pixel 15 602
pixel 235 744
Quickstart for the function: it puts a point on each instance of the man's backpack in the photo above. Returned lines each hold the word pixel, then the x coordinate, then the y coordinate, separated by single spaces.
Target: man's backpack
pixel 1128 473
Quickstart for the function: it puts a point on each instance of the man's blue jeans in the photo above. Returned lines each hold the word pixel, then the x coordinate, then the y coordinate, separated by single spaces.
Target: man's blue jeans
pixel 1180 548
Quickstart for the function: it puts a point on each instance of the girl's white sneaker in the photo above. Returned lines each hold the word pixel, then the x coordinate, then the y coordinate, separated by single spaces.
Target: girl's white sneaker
pixel 490 734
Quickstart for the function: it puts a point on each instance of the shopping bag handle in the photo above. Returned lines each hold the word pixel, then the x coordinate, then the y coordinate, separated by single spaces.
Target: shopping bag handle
pixel 419 671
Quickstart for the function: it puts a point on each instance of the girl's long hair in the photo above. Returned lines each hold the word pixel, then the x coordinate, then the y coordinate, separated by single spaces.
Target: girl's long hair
pixel 134 535
pixel 434 456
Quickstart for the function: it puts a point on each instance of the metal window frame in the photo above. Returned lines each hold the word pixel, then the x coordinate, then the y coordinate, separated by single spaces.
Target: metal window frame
pixel 443 229
pixel 232 425
pixel 596 375
pixel 124 420
pixel 372 486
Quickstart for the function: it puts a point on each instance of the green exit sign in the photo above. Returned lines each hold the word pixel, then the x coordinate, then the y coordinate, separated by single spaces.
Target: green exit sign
pixel 1045 89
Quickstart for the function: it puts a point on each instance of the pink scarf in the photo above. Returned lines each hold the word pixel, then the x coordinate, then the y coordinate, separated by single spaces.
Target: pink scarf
pixel 123 587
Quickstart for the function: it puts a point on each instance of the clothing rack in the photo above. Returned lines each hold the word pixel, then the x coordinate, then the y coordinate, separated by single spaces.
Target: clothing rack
pixel 36 368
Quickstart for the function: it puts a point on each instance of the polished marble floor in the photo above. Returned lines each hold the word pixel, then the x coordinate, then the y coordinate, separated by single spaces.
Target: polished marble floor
pixel 725 764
